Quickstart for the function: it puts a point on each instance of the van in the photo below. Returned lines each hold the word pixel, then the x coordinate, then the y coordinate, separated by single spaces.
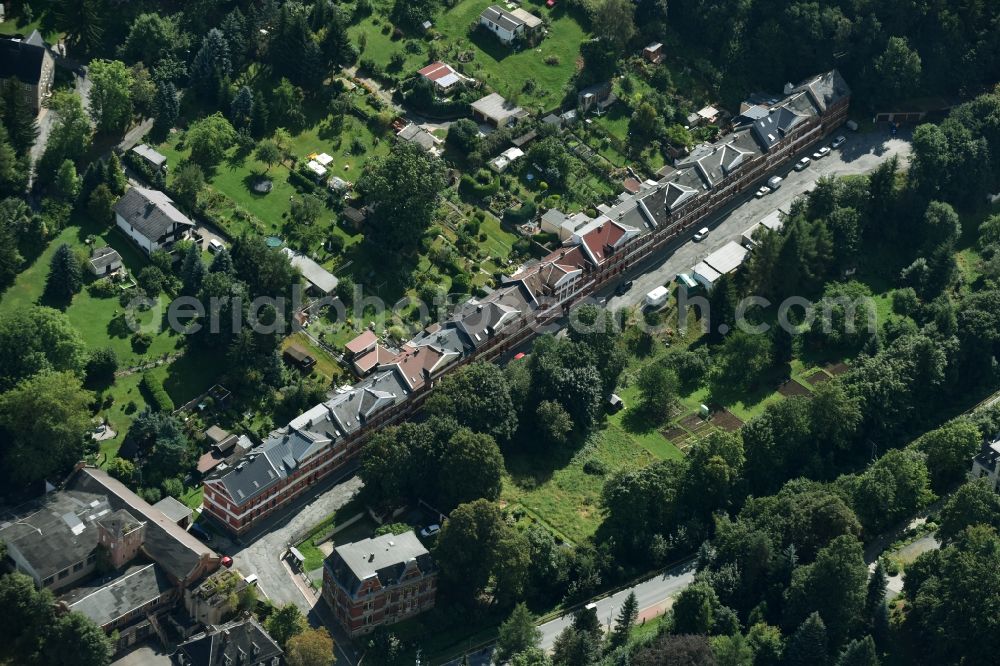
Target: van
pixel 774 182
pixel 215 246
pixel 657 297
pixel 852 125
pixel 251 579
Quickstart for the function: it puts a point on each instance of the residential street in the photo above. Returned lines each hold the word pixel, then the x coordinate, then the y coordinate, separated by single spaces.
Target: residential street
pixel 861 154
pixel 654 596
pixel 262 553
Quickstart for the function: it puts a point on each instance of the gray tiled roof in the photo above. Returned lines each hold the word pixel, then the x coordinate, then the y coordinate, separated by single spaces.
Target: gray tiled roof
pixel 222 645
pixel 385 557
pixel 502 18
pixel 104 257
pixel 136 587
pixel 308 434
pixel 150 212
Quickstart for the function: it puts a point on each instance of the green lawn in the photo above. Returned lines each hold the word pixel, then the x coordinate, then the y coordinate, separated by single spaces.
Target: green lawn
pixel 325 364
pixel 16 27
pixel 481 55
pixel 230 198
pixel 557 491
pixel 506 70
pixel 100 321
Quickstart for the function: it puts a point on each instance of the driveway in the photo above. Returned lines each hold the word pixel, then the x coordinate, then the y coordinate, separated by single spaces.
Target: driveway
pixel 46 118
pixel 860 154
pixel 261 552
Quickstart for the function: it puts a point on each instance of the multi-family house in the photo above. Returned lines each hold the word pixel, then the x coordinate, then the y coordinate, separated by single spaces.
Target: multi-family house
pixel 379 581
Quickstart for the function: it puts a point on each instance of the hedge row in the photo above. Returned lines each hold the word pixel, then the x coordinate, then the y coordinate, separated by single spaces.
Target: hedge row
pixel 161 402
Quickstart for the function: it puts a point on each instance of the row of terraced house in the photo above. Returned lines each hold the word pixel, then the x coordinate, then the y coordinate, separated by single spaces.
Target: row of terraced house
pixel 326 438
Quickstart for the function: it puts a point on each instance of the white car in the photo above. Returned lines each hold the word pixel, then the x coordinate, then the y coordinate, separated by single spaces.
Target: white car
pixel 838 142
pixel 802 164
pixel 215 246
pixel 430 530
pixel 824 151
pixel 762 192
pixel 701 234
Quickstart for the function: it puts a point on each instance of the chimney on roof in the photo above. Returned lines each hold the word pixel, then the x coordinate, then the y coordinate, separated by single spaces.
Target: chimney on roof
pixel 789 88
pixel 371 557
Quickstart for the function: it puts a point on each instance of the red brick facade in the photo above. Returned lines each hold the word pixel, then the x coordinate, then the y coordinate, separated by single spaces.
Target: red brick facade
pixel 374 605
pixel 241 518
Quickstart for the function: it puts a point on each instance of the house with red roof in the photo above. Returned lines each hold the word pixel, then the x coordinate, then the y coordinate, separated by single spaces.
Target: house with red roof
pixel 443 76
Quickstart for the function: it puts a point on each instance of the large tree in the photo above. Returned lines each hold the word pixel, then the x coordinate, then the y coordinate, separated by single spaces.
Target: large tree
pixel 65 277
pixel 517 634
pixel 899 69
pixel 151 37
pixel 893 488
pixel 19 119
pixel 33 339
pixel 312 647
pixel 209 139
pixel 404 187
pixel 614 21
pixel 166 108
pixel 477 397
pixel 948 450
pixel 472 467
pixel 808 646
pixel 954 599
pixel 479 551
pixel 110 94
pixel 69 138
pixel 975 503
pixel 833 585
pixel 285 623
pixel 211 66
pixel 658 388
pixel 34 634
pixel 45 419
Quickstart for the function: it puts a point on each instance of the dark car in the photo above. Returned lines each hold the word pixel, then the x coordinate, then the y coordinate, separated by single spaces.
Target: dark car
pixel 201 533
pixel 623 287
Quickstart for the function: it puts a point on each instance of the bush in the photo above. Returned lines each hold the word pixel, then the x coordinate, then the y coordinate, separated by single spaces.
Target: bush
pixel 141 342
pixel 392 528
pixel 475 187
pixel 595 467
pixel 151 495
pixel 173 487
pixel 103 288
pixel 160 401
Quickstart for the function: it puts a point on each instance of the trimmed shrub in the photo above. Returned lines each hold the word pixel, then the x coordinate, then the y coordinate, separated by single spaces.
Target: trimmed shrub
pixel 161 402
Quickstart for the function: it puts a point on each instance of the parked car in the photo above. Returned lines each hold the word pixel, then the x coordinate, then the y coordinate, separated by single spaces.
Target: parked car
pixel 215 246
pixel 802 164
pixel 774 182
pixel 430 530
pixel 701 234
pixel 762 192
pixel 838 142
pixel 822 152
pixel 623 287
pixel 200 533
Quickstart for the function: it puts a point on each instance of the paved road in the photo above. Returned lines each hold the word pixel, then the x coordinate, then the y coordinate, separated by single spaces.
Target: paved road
pixel 262 552
pixel 654 597
pixel 861 154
